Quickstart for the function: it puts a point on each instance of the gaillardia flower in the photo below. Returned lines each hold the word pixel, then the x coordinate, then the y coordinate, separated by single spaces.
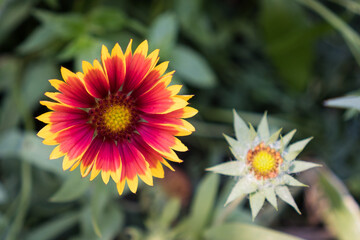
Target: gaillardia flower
pixel 120 118
pixel 264 164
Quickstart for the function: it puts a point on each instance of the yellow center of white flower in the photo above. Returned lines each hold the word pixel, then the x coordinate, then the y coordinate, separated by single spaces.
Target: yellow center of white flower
pixel 264 161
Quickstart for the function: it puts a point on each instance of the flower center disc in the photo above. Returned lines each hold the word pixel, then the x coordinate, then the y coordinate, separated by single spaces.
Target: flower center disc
pixel 115 117
pixel 264 161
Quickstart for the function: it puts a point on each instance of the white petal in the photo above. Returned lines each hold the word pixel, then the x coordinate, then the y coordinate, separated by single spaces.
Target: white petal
pixel 270 196
pixel 257 200
pixel 241 188
pixel 300 166
pixel 232 168
pixel 232 142
pixel 263 128
pixel 274 137
pixel 296 148
pixel 284 193
pixel 289 180
pixel 285 140
pixel 241 129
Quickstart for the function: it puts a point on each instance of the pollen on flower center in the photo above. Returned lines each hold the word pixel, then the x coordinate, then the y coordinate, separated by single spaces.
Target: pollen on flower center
pixel 115 117
pixel 264 161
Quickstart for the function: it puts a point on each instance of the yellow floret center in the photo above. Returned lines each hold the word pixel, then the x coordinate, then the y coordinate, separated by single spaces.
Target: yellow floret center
pixel 117 118
pixel 264 161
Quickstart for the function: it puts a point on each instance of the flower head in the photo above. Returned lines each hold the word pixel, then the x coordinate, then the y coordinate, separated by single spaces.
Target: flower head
pixel 119 117
pixel 264 164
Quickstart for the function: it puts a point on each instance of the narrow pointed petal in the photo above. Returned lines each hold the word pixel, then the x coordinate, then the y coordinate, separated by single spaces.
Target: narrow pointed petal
pixel 287 138
pixel 241 189
pixel 158 138
pixel 114 67
pixel 284 193
pixel 134 164
pixel 232 168
pixel 95 81
pixel 289 180
pixel 257 200
pixel 151 79
pixel 137 66
pixel 75 140
pixel 89 157
pixel 74 92
pixel 300 166
pixel 241 129
pixel 108 160
pixel 151 156
pixel 295 149
pixel 120 186
pixel 270 195
pixel 263 129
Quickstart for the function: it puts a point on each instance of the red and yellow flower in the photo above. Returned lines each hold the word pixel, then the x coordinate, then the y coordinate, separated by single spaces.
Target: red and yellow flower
pixel 119 117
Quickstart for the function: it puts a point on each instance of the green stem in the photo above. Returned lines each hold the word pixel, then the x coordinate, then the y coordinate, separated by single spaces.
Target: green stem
pixel 228 210
pixel 351 37
pixel 26 181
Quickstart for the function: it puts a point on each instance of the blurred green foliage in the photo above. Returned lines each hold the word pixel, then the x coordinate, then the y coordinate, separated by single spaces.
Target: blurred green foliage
pixel 284 56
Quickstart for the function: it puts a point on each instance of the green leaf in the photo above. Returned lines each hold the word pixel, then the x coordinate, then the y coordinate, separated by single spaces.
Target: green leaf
pixel 241 129
pixel 263 128
pixel 3 195
pixel 241 188
pixel 54 227
pixel 351 37
pixel 36 82
pixel 287 33
pixel 12 15
pixel 170 212
pixel 231 168
pixel 257 200
pixel 89 49
pixel 40 38
pixel 352 102
pixel 284 193
pixel 236 231
pixel 82 45
pixel 295 149
pixel 10 142
pixel 65 25
pixel 9 67
pixel 32 150
pixel 289 180
pixel 300 166
pixel 106 19
pixel 203 203
pixel 163 33
pixel 99 200
pixel 341 211
pixel 193 68
pixel 270 195
pixel 111 221
pixel 10 114
pixel 73 188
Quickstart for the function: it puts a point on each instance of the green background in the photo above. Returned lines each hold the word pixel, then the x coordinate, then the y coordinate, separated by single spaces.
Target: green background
pixel 282 56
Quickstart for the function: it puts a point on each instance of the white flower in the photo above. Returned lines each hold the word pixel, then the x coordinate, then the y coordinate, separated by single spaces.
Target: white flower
pixel 264 164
